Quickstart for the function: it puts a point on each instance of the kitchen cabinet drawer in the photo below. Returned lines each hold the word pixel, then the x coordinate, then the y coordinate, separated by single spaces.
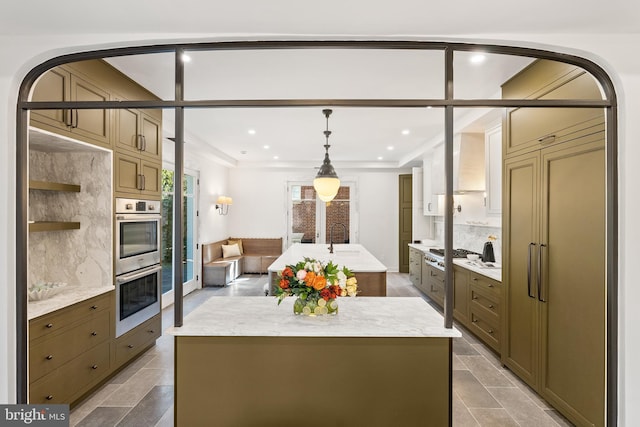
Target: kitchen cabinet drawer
pixel 478 281
pixel 72 379
pixel 51 324
pixel 481 300
pixel 136 340
pixel 485 327
pixel 47 355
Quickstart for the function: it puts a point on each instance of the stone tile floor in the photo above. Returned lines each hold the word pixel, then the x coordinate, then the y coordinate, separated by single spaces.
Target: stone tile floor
pixel 484 393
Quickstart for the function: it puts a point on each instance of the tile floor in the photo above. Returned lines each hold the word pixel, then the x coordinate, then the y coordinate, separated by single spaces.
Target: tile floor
pixel 484 393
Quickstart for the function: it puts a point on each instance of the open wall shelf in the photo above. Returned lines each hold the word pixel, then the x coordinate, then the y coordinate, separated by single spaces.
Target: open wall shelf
pixel 53 186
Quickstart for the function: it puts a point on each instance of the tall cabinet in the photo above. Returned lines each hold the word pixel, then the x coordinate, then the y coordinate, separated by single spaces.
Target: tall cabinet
pixel 553 331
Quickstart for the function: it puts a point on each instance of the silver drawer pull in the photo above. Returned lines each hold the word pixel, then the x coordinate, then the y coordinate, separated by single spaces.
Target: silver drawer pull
pixel 475 321
pixel 49 357
pixel 490 305
pixel 50 397
pixel 151 331
pixel 94 307
pixel 94 333
pixel 49 325
pixel 475 279
pixel 475 298
pixel 94 367
pixel 130 346
pixel 491 331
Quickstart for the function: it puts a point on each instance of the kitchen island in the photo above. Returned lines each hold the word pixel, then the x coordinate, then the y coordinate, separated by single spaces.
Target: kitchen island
pixel 248 361
pixel 371 273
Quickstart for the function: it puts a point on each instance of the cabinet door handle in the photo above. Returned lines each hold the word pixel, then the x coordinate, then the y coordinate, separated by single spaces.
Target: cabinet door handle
pixel 49 357
pixel 94 307
pixel 66 117
pixel 429 207
pixel 529 270
pixel 138 142
pixel 139 183
pixel 94 333
pixel 151 331
pixel 144 182
pixel 49 325
pixel 50 397
pixel 144 143
pixel 491 331
pixel 547 139
pixel 130 346
pixel 541 297
pixel 94 367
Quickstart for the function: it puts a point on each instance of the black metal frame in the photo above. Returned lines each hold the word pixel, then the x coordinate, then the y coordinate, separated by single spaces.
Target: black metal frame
pixel 448 103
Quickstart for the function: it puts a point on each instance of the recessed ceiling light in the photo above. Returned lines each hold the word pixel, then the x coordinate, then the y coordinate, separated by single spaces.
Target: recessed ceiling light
pixel 390 148
pixel 266 147
pixel 275 157
pixel 429 107
pixel 406 131
pixel 379 157
pixel 478 58
pixel 185 58
pixel 243 152
pixel 251 131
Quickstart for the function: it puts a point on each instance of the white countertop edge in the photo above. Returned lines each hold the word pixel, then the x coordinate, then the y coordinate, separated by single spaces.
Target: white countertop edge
pixel 72 294
pixel 361 317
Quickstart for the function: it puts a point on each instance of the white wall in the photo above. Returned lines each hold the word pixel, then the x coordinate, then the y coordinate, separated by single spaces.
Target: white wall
pixel 616 53
pixel 259 206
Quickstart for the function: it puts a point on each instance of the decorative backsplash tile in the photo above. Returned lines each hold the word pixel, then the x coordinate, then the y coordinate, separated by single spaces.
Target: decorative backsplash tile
pixel 78 257
pixel 472 237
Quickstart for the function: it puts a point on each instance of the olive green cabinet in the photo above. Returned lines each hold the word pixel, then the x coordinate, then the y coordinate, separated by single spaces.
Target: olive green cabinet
pixel 138 132
pixel 135 175
pixel 415 266
pixel 66 84
pixel 135 341
pixel 553 319
pixel 69 350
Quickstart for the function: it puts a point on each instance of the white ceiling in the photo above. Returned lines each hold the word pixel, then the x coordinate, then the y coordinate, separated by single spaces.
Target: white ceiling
pixel 360 136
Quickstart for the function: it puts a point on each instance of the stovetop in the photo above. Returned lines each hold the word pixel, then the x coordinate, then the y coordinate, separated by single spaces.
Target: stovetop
pixel 456 253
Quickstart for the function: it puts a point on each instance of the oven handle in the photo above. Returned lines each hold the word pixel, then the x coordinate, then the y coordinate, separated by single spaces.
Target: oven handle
pixel 137 217
pixel 138 274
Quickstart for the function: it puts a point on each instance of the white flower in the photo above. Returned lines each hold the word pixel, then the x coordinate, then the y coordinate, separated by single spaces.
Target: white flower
pixel 301 274
pixel 342 279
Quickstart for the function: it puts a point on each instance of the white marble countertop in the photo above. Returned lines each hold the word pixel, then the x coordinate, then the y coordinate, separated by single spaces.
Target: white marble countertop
pixel 494 272
pixel 70 295
pixel 357 317
pixel 353 256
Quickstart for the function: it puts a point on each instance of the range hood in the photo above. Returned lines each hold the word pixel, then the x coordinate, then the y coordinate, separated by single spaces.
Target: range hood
pixel 468 164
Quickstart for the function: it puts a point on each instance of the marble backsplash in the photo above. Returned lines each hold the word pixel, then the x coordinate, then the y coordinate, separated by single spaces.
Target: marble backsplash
pixel 78 257
pixel 472 237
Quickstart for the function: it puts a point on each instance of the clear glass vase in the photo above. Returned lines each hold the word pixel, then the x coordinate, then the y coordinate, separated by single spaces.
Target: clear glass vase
pixel 315 307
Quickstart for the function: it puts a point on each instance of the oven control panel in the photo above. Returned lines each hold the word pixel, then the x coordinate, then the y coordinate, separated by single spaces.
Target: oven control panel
pixel 124 206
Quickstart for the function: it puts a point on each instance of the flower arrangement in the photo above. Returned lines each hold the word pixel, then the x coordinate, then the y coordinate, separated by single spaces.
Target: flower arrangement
pixel 316 286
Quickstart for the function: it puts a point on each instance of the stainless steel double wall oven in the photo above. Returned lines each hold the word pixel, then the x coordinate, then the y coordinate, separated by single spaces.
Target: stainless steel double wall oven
pixel 138 268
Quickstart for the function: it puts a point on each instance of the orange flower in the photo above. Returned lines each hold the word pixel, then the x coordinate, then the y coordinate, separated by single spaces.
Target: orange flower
pixel 319 283
pixel 287 272
pixel 284 284
pixel 310 278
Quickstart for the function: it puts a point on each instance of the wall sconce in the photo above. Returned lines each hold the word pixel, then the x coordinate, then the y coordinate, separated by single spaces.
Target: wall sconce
pixel 222 204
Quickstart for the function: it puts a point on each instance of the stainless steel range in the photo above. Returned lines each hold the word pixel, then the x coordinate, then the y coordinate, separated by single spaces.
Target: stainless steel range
pixel 435 257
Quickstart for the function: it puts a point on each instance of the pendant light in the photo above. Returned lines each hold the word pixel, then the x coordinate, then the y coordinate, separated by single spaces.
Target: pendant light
pixel 326 182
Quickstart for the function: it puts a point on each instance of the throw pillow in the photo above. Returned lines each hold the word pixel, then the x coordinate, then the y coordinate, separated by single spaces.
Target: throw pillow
pixel 230 250
pixel 236 242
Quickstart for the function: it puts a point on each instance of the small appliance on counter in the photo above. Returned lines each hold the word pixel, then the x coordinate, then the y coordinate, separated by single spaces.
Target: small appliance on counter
pixel 487 253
